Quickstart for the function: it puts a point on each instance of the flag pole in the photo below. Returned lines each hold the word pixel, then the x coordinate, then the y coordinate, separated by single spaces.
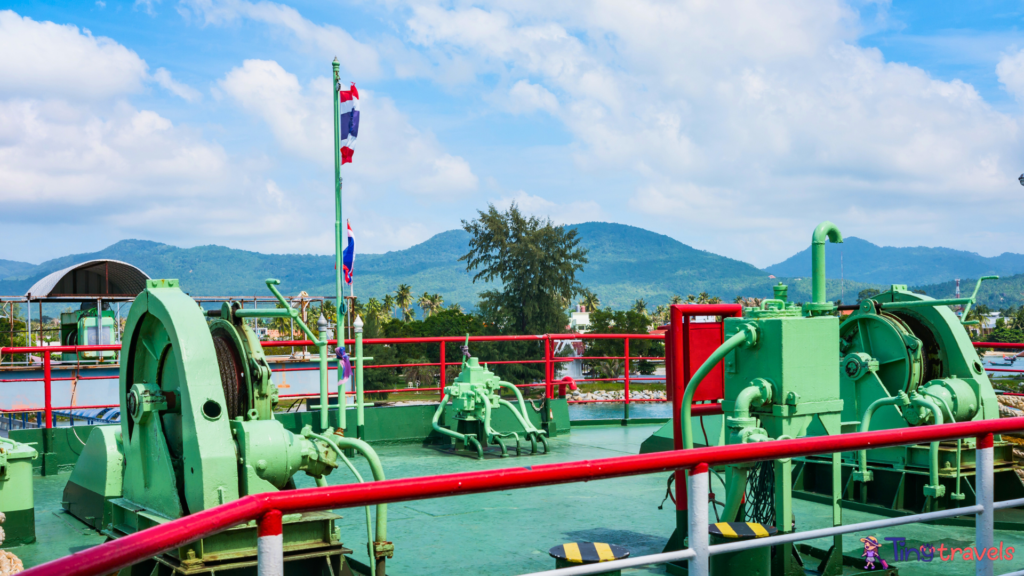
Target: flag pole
pixel 340 301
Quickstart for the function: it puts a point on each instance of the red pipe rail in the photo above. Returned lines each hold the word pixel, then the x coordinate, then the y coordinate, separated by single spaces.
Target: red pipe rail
pixel 549 361
pixel 116 554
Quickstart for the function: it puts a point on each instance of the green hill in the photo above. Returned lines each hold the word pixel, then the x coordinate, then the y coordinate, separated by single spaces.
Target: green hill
pixel 626 263
pixel 996 294
pixel 862 261
pixel 10 268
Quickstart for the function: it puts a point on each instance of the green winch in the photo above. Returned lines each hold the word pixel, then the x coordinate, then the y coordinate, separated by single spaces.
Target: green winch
pixel 197 431
pixel 476 396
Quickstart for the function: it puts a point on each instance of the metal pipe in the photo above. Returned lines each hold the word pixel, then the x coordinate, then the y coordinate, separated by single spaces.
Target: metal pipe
pixel 114 555
pixel 926 303
pixel 48 390
pixel 736 486
pixel 697 501
pixel 865 426
pixel 526 424
pixel 825 231
pixel 753 395
pixel 1009 504
pixel 933 449
pixel 360 401
pixel 339 443
pixel 845 529
pixel 744 337
pixel 270 545
pixel 984 524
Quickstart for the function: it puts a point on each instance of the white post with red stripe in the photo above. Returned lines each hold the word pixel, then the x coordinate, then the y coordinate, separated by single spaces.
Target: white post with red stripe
pixel 697 496
pixel 984 521
pixel 270 545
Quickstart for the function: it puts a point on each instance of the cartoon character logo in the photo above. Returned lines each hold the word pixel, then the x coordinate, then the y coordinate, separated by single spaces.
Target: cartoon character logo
pixel 871 547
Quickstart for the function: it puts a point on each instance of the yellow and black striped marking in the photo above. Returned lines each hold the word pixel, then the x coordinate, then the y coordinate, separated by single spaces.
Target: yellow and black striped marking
pixel 588 552
pixel 742 530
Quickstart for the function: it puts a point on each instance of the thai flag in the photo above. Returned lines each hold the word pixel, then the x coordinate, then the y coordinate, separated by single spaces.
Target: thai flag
pixel 348 121
pixel 349 255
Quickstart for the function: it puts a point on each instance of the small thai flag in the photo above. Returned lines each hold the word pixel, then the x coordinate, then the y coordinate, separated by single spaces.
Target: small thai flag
pixel 349 256
pixel 348 121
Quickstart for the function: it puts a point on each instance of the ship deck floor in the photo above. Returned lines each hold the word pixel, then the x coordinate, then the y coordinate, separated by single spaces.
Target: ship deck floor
pixel 508 533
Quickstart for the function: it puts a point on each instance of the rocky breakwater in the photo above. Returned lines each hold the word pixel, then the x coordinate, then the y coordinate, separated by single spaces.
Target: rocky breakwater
pixel 634 395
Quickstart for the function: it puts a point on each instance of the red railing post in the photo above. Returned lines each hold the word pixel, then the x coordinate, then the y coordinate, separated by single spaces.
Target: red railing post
pixel 548 372
pixel 47 389
pixel 444 380
pixel 625 409
pixel 270 544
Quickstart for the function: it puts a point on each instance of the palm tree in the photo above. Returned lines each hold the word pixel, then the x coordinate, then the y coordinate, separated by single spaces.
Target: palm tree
pixel 387 308
pixel 436 303
pixel 640 306
pixel 660 314
pixel 373 310
pixel 455 307
pixel 403 299
pixel 590 301
pixel 426 305
pixel 676 299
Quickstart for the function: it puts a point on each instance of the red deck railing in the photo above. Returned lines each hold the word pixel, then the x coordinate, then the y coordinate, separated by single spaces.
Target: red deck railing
pixel 114 555
pixel 549 360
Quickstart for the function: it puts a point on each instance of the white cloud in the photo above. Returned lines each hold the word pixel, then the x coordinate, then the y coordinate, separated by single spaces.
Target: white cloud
pixel 524 98
pixel 764 108
pixel 389 148
pixel 77 151
pixel 147 6
pixel 47 60
pixel 1010 72
pixel 559 213
pixel 325 40
pixel 184 91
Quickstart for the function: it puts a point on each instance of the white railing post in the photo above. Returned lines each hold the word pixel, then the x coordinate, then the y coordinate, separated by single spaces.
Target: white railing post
pixel 697 500
pixel 270 545
pixel 984 524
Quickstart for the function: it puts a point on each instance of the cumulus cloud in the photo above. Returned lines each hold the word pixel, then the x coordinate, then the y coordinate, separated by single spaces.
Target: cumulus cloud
pixel 560 213
pixel 184 91
pixel 389 148
pixel 77 151
pixel 1010 72
pixel 327 41
pixel 722 108
pixel 44 60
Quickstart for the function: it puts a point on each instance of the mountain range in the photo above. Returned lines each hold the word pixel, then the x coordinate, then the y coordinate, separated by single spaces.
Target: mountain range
pixel 625 263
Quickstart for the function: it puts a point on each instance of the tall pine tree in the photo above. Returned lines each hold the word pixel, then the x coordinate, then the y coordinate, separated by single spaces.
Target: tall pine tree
pixel 536 263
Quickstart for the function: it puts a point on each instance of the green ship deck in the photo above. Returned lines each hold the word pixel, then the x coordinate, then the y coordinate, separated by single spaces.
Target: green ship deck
pixel 509 533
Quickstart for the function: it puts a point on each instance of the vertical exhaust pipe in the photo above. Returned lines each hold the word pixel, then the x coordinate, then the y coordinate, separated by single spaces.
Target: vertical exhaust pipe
pixel 826 231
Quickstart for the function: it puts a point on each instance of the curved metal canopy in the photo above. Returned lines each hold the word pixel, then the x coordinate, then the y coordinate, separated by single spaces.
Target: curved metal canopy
pixel 92 279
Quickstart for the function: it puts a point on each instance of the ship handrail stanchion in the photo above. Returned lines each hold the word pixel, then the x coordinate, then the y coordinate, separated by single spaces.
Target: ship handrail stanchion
pixel 270 545
pixel 625 393
pixel 48 390
pixel 984 524
pixel 697 500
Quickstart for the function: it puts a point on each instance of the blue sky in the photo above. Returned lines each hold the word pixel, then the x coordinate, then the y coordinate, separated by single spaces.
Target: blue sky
pixel 731 126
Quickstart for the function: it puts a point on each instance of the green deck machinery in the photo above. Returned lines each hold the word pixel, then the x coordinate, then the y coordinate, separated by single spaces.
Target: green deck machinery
pixel 899 359
pixel 476 396
pixel 198 430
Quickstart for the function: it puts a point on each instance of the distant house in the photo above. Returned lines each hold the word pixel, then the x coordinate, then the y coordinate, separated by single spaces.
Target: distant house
pixel 579 319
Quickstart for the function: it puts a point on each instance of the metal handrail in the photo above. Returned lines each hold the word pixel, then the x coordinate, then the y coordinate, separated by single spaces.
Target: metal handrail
pixel 114 555
pixel 549 360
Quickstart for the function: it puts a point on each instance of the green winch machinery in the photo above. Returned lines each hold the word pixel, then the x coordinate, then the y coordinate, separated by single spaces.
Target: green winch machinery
pixel 198 430
pixel 476 396
pixel 898 359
